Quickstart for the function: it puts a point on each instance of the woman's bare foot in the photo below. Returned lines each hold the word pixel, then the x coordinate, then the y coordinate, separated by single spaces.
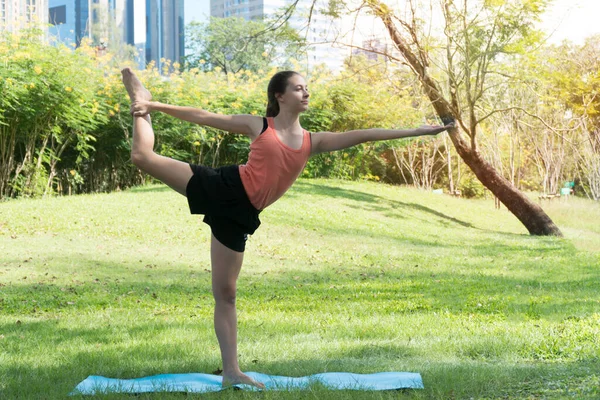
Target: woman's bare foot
pixel 240 377
pixel 134 87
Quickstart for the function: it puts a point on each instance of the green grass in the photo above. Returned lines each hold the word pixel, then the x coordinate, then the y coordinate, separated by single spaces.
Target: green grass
pixel 342 276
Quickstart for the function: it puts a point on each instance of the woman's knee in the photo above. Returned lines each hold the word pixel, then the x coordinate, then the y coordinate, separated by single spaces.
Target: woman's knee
pixel 141 159
pixel 225 294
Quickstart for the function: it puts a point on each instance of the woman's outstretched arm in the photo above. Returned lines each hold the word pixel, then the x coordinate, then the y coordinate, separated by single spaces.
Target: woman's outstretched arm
pixel 331 141
pixel 249 125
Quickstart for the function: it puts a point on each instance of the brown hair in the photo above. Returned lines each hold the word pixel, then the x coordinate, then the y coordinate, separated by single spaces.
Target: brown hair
pixel 277 84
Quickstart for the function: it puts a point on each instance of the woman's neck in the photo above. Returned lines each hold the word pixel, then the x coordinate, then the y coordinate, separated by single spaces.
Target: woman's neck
pixel 287 121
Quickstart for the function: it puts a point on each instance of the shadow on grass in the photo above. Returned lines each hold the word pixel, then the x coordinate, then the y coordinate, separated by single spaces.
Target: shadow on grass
pixel 331 191
pixel 332 228
pixel 58 374
pixel 533 292
pixel 104 349
pixel 150 188
pixel 376 203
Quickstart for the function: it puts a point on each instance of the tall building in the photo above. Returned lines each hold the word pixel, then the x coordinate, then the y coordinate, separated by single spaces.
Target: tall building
pixel 375 48
pixel 66 22
pixel 17 14
pixel 241 8
pixel 154 27
pixel 319 34
pixel 101 21
pixel 165 35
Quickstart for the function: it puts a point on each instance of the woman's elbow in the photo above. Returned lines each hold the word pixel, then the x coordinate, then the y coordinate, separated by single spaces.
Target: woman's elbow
pixel 200 117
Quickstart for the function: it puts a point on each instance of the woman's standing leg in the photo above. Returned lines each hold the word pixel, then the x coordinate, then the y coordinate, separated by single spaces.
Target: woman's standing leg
pixel 174 173
pixel 226 266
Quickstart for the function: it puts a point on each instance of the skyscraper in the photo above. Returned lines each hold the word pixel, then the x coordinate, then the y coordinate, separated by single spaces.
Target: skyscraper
pixel 98 20
pixel 17 14
pixel 154 27
pixel 241 8
pixel 319 34
pixel 65 24
pixel 165 35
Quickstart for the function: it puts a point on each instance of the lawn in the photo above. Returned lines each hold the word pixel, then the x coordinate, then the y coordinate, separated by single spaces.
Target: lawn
pixel 342 276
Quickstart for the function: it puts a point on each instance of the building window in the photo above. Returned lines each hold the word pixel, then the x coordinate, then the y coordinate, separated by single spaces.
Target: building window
pixel 2 11
pixel 30 10
pixel 58 15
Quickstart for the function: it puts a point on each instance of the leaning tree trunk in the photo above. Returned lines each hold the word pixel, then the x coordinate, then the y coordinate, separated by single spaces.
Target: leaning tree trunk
pixel 530 214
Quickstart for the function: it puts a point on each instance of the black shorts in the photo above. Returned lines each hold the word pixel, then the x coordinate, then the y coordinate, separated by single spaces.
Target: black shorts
pixel 219 194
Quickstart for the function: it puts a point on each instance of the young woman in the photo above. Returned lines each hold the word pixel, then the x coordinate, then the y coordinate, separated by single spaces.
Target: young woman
pixel 232 197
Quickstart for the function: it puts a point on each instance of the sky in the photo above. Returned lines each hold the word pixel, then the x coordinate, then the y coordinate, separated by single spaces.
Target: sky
pixel 197 10
pixel 572 20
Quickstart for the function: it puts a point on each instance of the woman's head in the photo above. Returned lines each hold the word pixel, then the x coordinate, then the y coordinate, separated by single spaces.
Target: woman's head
pixel 286 89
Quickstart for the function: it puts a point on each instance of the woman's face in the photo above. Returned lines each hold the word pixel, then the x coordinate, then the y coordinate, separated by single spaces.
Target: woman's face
pixel 296 95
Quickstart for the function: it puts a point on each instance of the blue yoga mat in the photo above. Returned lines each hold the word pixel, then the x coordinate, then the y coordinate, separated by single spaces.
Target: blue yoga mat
pixel 203 383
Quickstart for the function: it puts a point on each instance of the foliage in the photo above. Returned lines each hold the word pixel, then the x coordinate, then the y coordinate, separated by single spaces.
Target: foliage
pixel 470 187
pixel 546 125
pixel 65 125
pixel 572 73
pixel 101 161
pixel 234 44
pixel 48 106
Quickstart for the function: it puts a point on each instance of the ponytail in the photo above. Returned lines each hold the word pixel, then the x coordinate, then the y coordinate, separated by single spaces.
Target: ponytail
pixel 272 106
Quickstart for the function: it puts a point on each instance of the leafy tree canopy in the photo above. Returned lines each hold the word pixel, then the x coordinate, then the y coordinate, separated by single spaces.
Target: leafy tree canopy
pixel 234 44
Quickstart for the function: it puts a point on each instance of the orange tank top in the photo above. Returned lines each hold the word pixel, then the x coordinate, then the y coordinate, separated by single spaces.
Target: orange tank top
pixel 272 167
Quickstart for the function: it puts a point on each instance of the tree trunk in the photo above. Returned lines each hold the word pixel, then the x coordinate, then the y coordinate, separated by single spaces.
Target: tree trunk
pixel 530 214
pixel 7 154
pixel 449 165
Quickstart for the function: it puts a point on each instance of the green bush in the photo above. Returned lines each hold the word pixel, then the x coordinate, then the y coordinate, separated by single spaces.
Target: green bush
pixel 470 187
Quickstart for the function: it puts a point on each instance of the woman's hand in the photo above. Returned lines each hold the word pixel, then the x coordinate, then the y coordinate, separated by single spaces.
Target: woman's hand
pixel 140 108
pixel 426 130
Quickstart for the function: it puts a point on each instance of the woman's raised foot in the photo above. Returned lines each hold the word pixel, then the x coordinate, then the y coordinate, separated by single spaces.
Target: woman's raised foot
pixel 134 86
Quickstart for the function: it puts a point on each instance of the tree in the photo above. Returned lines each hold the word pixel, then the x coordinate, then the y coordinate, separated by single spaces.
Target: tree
pixel 420 159
pixel 234 44
pixel 574 78
pixel 478 34
pixel 536 133
pixel 48 106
